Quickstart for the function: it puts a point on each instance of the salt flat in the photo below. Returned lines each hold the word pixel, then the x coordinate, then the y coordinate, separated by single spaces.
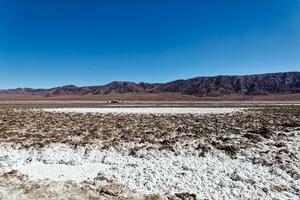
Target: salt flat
pixel 175 153
pixel 213 176
pixel 146 110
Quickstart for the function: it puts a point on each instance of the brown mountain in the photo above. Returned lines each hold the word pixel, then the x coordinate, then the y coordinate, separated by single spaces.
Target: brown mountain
pixel 216 86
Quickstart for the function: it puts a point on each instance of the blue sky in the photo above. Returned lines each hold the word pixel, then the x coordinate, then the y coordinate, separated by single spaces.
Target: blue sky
pixel 91 42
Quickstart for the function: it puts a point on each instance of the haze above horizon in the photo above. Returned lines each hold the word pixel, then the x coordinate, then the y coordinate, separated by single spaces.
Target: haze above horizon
pixel 44 44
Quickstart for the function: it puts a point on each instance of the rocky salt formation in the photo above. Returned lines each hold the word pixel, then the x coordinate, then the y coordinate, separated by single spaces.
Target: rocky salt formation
pixel 250 153
pixel 164 173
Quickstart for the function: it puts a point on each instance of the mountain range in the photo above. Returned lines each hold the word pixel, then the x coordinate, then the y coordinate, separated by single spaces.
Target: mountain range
pixel 214 86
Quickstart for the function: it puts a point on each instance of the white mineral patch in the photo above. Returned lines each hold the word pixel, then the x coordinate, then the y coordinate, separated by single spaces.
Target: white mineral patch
pixel 147 110
pixel 213 177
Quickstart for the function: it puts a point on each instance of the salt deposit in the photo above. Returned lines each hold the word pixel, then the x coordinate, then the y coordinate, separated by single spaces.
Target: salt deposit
pixel 147 110
pixel 213 177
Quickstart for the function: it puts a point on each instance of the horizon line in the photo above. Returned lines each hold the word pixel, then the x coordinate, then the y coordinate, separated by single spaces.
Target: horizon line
pixel 139 82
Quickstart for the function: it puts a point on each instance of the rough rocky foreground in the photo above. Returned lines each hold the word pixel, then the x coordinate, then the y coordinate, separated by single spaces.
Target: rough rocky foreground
pixel 267 137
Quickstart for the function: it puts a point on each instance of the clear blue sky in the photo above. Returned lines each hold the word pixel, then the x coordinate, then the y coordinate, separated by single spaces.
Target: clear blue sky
pixel 46 43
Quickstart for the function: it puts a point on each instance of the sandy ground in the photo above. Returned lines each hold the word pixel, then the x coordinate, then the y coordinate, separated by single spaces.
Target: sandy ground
pixel 150 153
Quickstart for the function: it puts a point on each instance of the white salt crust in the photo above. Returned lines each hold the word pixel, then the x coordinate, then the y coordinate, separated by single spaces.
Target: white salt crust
pixel 213 176
pixel 146 110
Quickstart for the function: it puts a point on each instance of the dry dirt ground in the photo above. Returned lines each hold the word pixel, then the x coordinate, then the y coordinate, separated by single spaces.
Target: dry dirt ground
pixel 252 153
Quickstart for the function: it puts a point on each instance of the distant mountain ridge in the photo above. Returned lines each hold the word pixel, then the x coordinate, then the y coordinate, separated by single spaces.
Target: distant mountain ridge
pixel 214 86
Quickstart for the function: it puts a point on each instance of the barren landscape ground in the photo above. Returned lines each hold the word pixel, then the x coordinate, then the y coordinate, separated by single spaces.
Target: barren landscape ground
pixel 149 150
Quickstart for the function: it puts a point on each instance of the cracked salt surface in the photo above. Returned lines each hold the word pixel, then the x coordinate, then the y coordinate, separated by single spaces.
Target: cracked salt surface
pixel 214 177
pixel 146 110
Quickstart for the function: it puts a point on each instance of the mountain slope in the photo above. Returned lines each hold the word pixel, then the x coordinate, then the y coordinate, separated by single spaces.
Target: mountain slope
pixel 259 84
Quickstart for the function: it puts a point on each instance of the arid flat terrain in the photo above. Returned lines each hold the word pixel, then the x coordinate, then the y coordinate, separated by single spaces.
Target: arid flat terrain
pixel 152 97
pixel 149 150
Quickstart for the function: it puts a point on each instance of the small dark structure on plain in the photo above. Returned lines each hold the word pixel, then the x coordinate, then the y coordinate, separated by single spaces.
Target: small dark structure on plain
pixel 114 101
